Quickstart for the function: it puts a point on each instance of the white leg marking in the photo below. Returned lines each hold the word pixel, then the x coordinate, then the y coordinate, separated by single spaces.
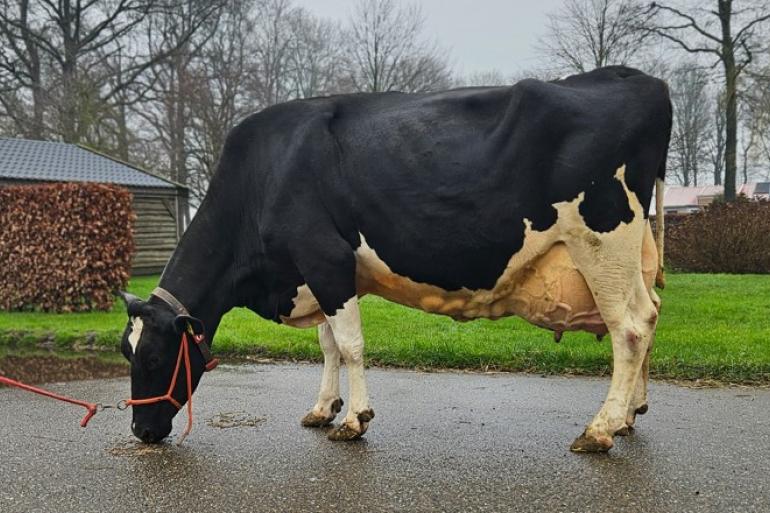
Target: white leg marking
pixel 329 404
pixel 330 381
pixel 346 326
pixel 136 333
pixel 639 399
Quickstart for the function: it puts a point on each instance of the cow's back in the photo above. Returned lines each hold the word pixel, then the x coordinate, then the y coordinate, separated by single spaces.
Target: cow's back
pixel 441 184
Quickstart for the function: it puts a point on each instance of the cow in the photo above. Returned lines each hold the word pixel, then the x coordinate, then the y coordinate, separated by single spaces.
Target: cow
pixel 483 202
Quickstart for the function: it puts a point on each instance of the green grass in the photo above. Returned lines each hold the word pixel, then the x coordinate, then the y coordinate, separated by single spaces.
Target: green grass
pixel 712 327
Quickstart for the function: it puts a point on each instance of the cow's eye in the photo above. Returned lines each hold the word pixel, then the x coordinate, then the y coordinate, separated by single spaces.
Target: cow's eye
pixel 152 362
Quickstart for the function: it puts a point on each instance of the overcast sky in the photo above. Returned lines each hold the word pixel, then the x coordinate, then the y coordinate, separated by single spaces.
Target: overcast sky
pixel 481 35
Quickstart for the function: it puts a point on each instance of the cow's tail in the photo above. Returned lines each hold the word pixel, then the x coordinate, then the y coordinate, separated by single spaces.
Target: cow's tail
pixel 660 229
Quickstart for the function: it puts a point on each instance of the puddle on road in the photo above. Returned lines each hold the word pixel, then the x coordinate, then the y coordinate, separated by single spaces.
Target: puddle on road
pixel 136 449
pixel 227 420
pixel 46 368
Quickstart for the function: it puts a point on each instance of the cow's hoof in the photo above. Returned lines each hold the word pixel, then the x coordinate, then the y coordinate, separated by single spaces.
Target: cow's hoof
pixel 351 431
pixel 642 409
pixel 365 416
pixel 591 443
pixel 313 419
pixel 625 431
pixel 344 433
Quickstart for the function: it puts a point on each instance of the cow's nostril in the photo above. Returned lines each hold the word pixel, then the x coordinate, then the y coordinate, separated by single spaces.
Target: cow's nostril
pixel 146 435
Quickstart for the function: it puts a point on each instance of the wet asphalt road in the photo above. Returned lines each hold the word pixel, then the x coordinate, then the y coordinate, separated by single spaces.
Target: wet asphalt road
pixel 440 442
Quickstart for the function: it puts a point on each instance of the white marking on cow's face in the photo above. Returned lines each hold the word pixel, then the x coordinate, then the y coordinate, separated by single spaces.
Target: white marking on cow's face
pixel 136 333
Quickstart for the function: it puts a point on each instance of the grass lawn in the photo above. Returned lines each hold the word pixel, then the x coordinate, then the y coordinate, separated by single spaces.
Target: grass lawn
pixel 711 327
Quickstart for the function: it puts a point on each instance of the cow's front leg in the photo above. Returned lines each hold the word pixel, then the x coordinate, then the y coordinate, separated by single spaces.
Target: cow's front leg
pixel 329 403
pixel 346 326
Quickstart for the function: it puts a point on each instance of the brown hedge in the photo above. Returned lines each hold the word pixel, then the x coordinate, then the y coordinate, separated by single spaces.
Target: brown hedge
pixel 725 238
pixel 64 247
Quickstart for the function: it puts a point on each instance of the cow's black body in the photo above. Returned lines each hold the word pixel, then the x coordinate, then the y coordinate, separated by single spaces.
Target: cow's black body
pixel 439 184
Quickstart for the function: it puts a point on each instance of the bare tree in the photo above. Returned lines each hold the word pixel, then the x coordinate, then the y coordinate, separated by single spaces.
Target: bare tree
pixel 483 78
pixel 74 43
pixel 179 37
pixel 387 51
pixel 588 34
pixel 691 122
pixel 757 114
pixel 314 55
pixel 272 44
pixel 728 35
pixel 222 95
pixel 21 69
pixel 715 144
pixel 71 34
pixel 748 131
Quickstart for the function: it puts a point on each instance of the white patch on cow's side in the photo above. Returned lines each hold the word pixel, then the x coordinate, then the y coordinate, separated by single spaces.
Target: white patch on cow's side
pixel 306 312
pixel 304 302
pixel 540 283
pixel 136 333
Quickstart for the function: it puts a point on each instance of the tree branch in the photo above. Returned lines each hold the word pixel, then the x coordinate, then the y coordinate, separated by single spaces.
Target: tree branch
pixel 684 45
pixel 692 23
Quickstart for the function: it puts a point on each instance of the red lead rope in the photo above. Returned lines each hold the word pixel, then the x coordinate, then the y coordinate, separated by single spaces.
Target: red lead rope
pixel 94 408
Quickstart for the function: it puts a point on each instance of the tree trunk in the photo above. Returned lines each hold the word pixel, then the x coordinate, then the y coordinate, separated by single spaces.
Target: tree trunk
pixel 731 100
pixel 69 108
pixel 178 121
pixel 35 131
pixel 122 132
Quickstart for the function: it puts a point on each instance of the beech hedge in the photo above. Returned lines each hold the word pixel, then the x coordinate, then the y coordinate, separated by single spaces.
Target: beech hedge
pixel 729 237
pixel 64 247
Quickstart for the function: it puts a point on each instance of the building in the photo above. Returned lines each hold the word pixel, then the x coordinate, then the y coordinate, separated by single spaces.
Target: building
pixel 160 205
pixel 687 200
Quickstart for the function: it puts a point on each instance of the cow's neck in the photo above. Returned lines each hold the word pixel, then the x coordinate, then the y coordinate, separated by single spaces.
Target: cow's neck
pixel 200 272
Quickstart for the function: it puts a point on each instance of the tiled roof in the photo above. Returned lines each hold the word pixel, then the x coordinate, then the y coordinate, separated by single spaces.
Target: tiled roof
pixel 684 197
pixel 24 159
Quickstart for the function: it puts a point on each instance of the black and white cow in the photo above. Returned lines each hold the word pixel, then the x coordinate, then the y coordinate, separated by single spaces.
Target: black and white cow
pixel 527 200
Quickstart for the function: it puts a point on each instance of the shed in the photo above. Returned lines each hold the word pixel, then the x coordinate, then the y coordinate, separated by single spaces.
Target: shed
pixel 161 205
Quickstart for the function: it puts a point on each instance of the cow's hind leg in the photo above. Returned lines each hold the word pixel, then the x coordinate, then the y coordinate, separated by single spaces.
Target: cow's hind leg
pixel 329 403
pixel 611 264
pixel 631 328
pixel 346 325
pixel 638 404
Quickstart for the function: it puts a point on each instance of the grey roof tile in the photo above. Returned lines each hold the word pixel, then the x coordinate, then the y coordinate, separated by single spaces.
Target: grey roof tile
pixel 62 162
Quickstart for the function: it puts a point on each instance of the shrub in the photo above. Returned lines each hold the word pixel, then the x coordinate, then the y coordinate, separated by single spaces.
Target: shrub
pixel 724 238
pixel 64 247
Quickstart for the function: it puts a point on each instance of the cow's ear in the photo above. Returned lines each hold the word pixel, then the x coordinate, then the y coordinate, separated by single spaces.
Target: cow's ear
pixel 181 322
pixel 133 304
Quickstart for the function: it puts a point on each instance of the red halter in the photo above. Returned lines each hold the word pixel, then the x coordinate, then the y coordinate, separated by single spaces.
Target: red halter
pixel 184 354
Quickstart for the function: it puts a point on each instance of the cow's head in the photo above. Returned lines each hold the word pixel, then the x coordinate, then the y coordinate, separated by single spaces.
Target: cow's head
pixel 151 343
